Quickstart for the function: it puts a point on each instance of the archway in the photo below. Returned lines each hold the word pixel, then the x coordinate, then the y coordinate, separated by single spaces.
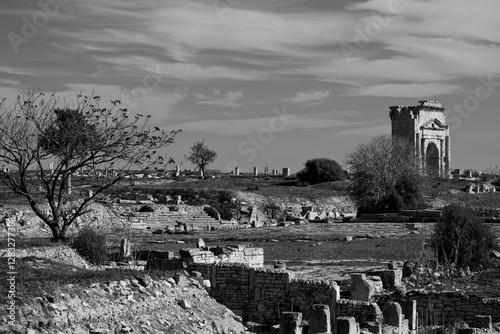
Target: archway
pixel 432 160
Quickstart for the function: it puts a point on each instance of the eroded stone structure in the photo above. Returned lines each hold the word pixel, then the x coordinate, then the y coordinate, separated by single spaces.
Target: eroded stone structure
pixel 425 127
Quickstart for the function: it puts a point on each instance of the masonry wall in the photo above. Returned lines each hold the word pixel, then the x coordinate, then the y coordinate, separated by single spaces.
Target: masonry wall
pixel 363 311
pixel 261 294
pixel 452 306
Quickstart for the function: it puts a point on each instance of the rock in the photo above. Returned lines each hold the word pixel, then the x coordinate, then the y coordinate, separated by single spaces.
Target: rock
pixel 181 280
pixel 98 331
pixel 145 281
pixel 348 238
pixel 184 304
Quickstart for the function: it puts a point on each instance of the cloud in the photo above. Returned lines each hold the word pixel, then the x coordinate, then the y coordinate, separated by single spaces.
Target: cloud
pixel 406 90
pixel 217 98
pixel 309 98
pixel 254 125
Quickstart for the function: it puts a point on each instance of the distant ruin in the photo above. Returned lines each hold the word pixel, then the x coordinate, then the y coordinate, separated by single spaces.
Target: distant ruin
pixel 425 127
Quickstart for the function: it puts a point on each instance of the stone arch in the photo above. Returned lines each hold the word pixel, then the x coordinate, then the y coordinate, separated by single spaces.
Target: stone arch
pixel 432 157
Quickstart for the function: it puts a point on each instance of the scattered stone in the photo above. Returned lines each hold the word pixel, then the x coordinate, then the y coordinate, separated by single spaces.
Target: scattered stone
pixel 184 304
pixel 348 238
pixel 181 280
pixel 145 281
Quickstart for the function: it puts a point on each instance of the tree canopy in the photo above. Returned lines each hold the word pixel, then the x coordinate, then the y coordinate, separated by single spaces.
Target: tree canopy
pixel 201 156
pixel 35 130
pixel 321 170
pixel 386 175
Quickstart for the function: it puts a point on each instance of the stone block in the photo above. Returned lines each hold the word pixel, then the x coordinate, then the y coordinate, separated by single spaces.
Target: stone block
pixel 346 325
pixel 482 321
pixel 181 280
pixel 391 278
pixel 319 319
pixel 290 323
pixel 361 288
pixel 393 314
pixel 409 308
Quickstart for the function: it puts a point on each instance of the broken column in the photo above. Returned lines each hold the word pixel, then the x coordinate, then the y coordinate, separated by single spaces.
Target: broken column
pixel 125 248
pixel 290 323
pixel 255 171
pixel 347 325
pixel 319 319
pixel 286 171
pixel 361 288
pixel 236 171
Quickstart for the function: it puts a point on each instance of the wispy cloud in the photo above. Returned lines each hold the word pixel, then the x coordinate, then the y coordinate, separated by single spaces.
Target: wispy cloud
pixel 309 98
pixel 218 98
pixel 406 90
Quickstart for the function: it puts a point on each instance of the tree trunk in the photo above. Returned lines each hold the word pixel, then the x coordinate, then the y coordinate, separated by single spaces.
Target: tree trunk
pixel 58 234
pixel 202 173
pixel 68 185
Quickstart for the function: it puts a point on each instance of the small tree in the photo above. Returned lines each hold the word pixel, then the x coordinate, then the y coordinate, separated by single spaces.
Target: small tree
pixel 201 156
pixel 34 131
pixel 462 239
pixel 321 170
pixel 386 175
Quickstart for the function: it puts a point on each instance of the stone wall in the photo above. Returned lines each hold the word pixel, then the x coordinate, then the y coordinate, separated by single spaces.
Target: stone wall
pixel 452 306
pixel 362 311
pixel 254 257
pixel 261 294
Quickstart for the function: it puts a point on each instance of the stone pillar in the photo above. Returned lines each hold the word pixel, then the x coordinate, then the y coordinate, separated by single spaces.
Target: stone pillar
pixel 441 158
pixel 290 323
pixel 423 147
pixel 447 156
pixel 319 320
pixel 255 171
pixel 417 143
pixel 236 171
pixel 346 325
pixel 409 308
pixel 125 248
pixel 286 171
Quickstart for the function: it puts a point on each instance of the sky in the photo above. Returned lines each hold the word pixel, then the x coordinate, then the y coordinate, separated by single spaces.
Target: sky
pixel 267 82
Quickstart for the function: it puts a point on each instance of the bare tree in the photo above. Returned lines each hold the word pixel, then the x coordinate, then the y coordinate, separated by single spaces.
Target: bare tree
pixel 201 156
pixel 33 131
pixel 386 174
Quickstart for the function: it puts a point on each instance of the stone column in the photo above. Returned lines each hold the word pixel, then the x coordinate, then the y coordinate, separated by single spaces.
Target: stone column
pixel 290 323
pixel 423 147
pixel 417 143
pixel 447 157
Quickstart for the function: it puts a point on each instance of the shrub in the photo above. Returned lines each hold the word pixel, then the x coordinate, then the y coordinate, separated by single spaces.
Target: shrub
pixel 321 170
pixel 463 239
pixel 146 208
pixel 91 245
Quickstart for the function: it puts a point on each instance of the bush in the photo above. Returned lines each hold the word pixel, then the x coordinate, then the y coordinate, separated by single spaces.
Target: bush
pixel 91 245
pixel 321 170
pixel 463 239
pixel 146 208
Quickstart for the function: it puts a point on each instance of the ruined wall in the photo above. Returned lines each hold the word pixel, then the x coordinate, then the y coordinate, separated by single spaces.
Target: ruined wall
pixel 260 294
pixel 254 257
pixel 452 306
pixel 362 311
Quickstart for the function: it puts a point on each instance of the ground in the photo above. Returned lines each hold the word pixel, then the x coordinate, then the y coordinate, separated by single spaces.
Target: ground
pixel 315 250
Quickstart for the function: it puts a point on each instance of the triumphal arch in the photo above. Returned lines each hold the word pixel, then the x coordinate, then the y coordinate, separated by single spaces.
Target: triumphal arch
pixel 425 127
